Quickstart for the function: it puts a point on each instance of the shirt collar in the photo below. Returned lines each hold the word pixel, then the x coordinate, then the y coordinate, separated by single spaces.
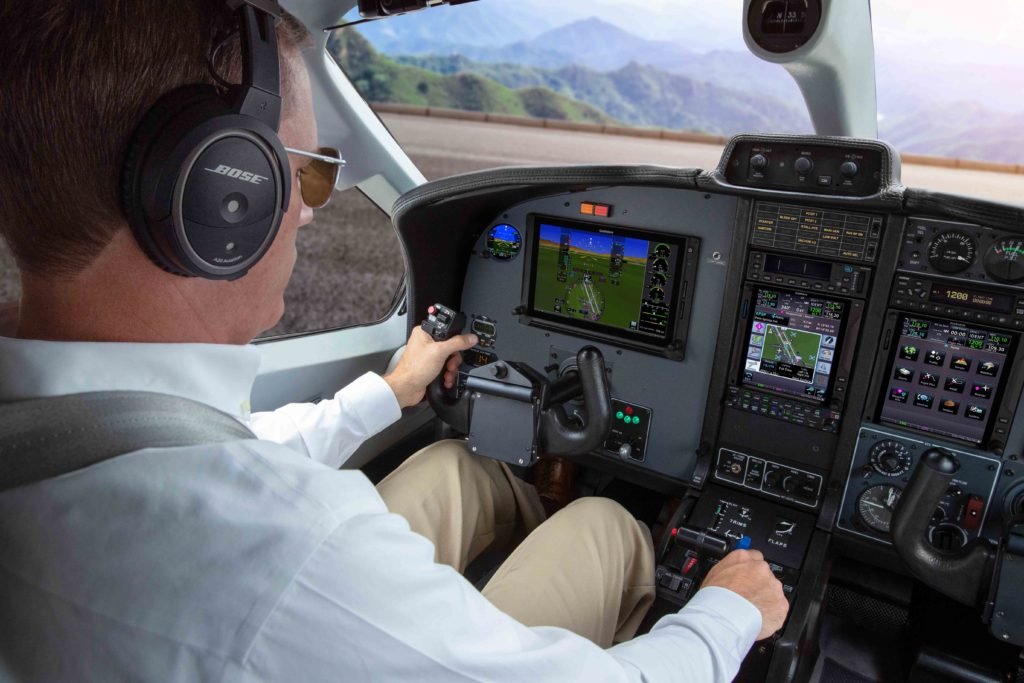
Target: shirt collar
pixel 218 375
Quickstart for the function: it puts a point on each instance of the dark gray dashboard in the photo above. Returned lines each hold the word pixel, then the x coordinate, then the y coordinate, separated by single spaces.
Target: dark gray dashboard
pixel 676 391
pixel 848 256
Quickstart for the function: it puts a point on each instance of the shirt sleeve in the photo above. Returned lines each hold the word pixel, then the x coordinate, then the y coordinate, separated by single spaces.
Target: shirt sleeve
pixel 330 431
pixel 370 604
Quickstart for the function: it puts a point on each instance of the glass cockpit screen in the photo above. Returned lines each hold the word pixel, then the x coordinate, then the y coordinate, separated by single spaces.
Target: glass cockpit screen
pixel 945 377
pixel 606 279
pixel 793 343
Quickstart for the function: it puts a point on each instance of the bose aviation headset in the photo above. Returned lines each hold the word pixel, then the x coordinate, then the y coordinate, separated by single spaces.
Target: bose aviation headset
pixel 206 179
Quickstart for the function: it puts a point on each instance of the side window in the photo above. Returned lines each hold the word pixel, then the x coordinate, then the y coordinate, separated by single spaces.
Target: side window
pixel 348 271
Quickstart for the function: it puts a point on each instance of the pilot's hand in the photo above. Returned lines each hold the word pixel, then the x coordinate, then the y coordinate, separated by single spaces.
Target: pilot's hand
pixel 422 362
pixel 745 573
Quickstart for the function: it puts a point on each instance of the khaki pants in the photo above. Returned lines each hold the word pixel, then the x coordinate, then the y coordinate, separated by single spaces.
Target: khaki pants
pixel 589 569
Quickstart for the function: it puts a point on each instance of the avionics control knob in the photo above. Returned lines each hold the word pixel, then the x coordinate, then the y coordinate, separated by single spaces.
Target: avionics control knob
pixel 759 162
pixel 849 169
pixel 803 165
pixel 499 370
pixel 789 484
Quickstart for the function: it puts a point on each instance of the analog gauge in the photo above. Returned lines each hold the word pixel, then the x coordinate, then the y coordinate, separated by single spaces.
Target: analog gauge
pixel 657 295
pixel 504 242
pixel 952 251
pixel 890 458
pixel 658 280
pixel 1004 260
pixel 662 250
pixel 875 506
pixel 660 265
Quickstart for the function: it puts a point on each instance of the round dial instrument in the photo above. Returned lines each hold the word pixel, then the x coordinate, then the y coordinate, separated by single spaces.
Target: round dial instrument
pixel 952 251
pixel 890 458
pixel 1004 260
pixel 876 505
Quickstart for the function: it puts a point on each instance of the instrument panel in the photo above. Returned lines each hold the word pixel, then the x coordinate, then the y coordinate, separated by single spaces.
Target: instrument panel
pixel 642 280
pixel 799 347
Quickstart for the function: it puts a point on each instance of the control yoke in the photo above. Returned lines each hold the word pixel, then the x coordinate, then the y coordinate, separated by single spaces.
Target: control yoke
pixel 963 575
pixel 513 413
pixel 979 574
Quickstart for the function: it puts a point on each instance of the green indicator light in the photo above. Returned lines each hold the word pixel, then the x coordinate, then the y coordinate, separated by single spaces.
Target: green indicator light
pixel 618 415
pixel 636 420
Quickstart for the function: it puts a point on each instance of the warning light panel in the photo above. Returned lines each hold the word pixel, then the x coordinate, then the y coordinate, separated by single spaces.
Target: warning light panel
pixel 599 210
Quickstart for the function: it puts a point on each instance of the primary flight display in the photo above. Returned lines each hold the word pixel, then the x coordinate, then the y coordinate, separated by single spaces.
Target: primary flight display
pixel 604 278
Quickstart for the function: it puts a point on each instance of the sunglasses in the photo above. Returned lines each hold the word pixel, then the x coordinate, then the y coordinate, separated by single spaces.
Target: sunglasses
pixel 318 179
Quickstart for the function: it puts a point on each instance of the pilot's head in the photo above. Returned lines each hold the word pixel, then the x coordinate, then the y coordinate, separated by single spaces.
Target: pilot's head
pixel 75 80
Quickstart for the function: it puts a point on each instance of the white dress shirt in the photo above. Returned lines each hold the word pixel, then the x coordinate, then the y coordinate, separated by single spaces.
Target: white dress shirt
pixel 248 562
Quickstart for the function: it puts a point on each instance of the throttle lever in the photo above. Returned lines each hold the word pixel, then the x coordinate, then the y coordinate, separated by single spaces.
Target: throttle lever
pixel 963 575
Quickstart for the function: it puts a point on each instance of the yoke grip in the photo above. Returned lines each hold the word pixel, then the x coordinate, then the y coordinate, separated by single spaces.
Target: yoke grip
pixel 558 436
pixel 962 575
pixel 454 411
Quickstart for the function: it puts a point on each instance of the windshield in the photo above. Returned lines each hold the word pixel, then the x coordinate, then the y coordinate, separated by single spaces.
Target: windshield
pixel 665 64
pixel 951 77
pixel 948 81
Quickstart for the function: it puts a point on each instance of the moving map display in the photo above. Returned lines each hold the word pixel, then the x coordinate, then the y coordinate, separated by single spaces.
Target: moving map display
pixel 793 343
pixel 605 279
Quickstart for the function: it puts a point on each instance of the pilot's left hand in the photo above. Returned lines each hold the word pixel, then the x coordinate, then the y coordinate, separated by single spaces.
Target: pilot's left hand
pixel 421 363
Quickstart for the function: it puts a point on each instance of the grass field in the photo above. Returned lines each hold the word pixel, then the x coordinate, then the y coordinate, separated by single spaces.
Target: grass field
pixel 791 346
pixel 588 297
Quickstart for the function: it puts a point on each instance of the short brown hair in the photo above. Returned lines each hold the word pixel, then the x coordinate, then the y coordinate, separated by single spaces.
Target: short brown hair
pixel 75 79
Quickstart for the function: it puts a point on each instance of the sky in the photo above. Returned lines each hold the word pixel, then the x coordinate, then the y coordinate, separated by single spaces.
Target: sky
pixel 986 31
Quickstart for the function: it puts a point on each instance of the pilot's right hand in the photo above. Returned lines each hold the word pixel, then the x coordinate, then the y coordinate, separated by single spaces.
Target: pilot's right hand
pixel 421 363
pixel 745 573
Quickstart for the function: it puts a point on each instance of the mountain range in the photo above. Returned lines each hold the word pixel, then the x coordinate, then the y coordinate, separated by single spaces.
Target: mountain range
pixel 956 108
pixel 380 79
pixel 639 95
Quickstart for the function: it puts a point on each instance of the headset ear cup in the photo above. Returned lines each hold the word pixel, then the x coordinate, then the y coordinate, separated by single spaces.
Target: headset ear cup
pixel 158 121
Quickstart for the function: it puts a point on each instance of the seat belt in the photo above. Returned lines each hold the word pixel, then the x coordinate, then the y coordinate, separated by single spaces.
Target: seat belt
pixel 46 437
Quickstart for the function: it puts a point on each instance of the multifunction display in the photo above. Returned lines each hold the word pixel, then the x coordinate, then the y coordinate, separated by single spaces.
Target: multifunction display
pixel 945 377
pixel 816 231
pixel 610 280
pixel 793 343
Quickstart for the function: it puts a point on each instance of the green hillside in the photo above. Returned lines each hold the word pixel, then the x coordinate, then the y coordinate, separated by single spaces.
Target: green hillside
pixel 639 95
pixel 380 79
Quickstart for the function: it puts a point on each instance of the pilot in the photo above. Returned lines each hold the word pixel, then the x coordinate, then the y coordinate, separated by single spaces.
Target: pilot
pixel 260 559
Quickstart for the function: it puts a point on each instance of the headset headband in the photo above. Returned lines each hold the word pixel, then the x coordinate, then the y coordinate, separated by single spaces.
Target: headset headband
pixel 259 94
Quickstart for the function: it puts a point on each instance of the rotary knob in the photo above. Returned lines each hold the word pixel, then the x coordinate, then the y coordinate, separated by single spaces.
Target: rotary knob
pixel 849 169
pixel 890 458
pixel 759 162
pixel 803 165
